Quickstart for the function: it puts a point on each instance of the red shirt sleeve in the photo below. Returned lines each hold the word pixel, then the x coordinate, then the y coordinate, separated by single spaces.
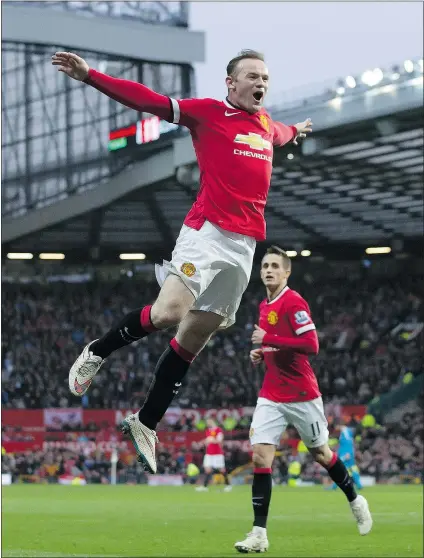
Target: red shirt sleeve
pixel 132 94
pixel 190 112
pixel 283 134
pixel 299 317
pixel 308 343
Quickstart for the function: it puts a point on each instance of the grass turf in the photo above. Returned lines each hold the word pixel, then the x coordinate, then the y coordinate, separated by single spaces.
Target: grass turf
pixel 94 521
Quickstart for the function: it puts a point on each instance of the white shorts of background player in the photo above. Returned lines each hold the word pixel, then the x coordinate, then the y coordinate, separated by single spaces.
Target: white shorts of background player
pixel 214 462
pixel 271 419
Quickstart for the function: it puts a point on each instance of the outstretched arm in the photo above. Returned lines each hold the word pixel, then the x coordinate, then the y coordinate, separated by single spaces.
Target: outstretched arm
pixel 130 93
pixel 283 134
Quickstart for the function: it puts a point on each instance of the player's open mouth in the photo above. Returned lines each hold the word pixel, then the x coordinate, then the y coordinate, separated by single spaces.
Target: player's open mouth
pixel 258 96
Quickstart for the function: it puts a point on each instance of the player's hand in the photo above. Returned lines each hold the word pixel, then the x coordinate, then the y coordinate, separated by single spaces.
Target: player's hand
pixel 256 356
pixel 258 335
pixel 302 128
pixel 71 64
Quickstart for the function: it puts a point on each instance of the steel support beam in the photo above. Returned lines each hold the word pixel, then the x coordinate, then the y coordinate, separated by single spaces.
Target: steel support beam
pixel 144 174
pixel 121 38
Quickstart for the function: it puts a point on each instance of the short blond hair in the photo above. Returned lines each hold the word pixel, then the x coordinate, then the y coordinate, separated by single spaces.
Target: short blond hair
pixel 243 55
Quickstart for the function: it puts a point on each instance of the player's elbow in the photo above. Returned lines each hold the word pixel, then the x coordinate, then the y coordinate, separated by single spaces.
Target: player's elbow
pixel 313 345
pixel 315 349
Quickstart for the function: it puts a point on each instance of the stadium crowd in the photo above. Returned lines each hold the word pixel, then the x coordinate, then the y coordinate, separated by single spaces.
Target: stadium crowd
pixel 364 352
pixel 386 452
pixel 44 328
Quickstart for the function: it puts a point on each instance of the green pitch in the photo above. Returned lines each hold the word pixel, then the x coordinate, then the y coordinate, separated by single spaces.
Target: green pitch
pixel 95 521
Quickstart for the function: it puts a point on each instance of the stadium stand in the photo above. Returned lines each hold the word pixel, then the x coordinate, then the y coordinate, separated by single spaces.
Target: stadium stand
pixel 45 326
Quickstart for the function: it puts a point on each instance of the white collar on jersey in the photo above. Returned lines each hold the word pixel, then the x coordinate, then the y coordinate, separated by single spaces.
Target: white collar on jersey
pixel 229 105
pixel 286 288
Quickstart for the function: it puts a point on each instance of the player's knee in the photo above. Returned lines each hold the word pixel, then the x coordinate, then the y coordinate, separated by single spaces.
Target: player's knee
pixel 322 455
pixel 261 458
pixel 167 315
pixel 196 329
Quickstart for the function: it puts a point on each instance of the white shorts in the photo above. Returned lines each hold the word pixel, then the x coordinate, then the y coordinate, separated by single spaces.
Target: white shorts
pixel 270 420
pixel 214 462
pixel 215 265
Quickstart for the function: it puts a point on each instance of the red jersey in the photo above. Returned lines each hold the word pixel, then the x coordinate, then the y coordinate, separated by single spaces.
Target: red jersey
pixel 234 151
pixel 214 448
pixel 289 376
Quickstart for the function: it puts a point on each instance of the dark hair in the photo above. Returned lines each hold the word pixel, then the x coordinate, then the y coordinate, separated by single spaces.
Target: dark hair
pixel 280 252
pixel 243 55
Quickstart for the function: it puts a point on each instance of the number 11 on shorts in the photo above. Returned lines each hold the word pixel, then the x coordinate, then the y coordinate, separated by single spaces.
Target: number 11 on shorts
pixel 315 429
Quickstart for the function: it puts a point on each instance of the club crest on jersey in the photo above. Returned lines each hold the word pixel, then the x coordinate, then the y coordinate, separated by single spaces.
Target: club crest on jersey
pixel 264 121
pixel 188 269
pixel 254 141
pixel 272 318
pixel 301 317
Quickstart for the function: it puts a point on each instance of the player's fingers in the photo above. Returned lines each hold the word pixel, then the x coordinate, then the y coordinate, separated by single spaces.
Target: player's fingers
pixel 74 58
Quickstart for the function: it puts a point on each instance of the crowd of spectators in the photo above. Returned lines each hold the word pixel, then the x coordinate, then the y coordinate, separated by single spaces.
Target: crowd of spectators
pixel 394 449
pixel 44 328
pixel 371 339
pixel 95 465
pixel 391 452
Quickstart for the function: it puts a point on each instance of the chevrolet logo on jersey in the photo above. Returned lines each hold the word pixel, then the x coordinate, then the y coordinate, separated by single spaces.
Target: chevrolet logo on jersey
pixel 254 141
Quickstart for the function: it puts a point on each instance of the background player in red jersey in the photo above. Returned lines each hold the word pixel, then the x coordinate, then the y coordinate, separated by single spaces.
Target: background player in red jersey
pixel 289 395
pixel 214 457
pixel 202 286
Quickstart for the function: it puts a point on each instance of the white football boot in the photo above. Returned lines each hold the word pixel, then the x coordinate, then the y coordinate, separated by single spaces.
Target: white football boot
pixel 362 515
pixel 144 441
pixel 256 541
pixel 228 488
pixel 202 488
pixel 83 371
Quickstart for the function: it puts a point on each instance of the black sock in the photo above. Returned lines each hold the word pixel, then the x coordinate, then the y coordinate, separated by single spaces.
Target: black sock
pixel 226 479
pixel 207 479
pixel 169 372
pixel 341 477
pixel 261 495
pixel 125 332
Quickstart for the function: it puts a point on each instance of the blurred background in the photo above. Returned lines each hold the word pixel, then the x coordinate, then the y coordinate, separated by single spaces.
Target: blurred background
pixel 93 194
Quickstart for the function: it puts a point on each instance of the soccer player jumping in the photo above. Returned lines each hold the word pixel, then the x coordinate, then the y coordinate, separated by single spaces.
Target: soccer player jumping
pixel 289 395
pixel 202 286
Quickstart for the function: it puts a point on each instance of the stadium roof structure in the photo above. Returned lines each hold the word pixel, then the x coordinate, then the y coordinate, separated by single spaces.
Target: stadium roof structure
pixel 357 182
